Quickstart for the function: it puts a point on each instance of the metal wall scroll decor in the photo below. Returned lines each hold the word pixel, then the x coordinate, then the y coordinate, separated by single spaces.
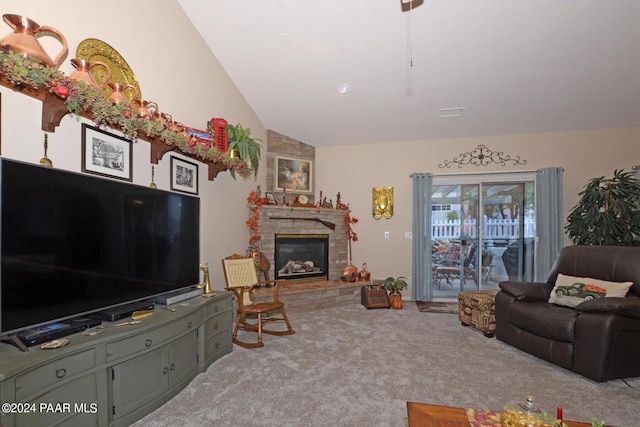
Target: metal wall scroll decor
pixel 382 202
pixel 483 156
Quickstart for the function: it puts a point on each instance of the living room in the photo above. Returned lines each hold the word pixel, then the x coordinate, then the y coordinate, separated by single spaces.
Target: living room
pixel 176 69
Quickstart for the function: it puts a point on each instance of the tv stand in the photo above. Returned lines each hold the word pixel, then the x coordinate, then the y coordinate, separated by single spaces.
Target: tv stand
pixel 123 373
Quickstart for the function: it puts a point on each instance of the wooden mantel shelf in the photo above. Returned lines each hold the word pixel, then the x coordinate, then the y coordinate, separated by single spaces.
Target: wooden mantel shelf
pixel 54 109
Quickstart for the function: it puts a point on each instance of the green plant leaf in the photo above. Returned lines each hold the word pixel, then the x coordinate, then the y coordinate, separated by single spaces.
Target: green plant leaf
pixel 607 212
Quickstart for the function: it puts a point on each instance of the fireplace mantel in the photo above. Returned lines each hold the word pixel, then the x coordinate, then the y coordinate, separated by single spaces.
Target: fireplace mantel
pixel 294 220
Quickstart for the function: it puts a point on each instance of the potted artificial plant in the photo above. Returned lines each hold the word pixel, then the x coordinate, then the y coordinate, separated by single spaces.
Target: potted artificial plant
pixel 247 149
pixel 394 286
pixel 608 212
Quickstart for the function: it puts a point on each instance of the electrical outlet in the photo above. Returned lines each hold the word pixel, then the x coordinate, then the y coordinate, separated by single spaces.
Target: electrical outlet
pixel 386 234
pixel 408 235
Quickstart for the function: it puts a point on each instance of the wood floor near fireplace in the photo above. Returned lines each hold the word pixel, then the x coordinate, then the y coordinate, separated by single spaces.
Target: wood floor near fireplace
pixel 300 297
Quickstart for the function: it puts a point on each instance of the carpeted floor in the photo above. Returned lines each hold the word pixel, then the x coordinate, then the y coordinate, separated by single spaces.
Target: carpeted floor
pixel 348 366
pixel 437 307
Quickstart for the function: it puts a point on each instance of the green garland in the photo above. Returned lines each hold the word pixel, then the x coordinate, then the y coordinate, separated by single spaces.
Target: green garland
pixel 80 97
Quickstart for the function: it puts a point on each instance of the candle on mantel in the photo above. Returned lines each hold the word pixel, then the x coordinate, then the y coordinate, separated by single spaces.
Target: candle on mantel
pixel 284 190
pixel 320 195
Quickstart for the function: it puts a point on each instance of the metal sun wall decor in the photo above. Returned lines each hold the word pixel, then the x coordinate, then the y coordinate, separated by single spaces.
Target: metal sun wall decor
pixel 382 202
pixel 482 156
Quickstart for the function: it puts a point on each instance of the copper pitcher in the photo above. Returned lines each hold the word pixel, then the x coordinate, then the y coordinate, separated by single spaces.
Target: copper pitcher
pixel 145 109
pixel 24 40
pixel 172 125
pixel 117 94
pixel 83 67
pixel 364 275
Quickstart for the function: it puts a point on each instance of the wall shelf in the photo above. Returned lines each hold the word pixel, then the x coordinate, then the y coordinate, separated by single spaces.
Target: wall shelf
pixel 54 109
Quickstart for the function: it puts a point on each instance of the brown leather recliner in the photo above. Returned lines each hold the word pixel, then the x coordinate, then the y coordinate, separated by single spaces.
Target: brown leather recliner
pixel 600 338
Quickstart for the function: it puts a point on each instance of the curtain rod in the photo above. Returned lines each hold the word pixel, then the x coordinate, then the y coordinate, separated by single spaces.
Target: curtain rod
pixel 481 173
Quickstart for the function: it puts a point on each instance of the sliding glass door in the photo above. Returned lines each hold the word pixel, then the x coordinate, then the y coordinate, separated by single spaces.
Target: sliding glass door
pixel 482 232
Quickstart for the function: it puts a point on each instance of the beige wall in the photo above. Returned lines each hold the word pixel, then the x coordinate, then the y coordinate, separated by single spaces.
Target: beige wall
pixel 175 68
pixel 354 170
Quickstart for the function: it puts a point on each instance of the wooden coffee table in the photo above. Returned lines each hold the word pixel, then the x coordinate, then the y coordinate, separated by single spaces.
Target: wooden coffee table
pixel 424 415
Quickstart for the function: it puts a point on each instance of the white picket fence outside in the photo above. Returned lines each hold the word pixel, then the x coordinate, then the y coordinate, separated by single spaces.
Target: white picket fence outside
pixel 502 229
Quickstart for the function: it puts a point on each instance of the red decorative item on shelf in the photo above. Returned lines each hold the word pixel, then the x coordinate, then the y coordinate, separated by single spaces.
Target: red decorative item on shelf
pixel 219 128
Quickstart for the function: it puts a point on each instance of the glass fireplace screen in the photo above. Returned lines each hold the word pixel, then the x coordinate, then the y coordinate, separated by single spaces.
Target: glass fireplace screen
pixel 301 256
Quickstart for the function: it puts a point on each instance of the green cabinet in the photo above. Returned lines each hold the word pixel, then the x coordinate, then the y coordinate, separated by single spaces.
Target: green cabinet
pixel 120 375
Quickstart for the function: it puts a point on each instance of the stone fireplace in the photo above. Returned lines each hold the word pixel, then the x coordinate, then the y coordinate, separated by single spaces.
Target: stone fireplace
pixel 308 226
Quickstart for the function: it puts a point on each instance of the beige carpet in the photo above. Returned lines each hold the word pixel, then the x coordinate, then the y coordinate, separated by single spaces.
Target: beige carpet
pixel 348 366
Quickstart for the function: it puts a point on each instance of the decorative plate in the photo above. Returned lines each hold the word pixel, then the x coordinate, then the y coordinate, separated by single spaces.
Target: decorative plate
pixel 55 343
pixel 96 50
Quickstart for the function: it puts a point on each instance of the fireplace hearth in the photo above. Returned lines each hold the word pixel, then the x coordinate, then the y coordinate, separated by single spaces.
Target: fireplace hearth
pixel 301 256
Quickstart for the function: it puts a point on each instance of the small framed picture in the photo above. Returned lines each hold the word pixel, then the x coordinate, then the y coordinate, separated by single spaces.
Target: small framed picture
pixel 294 175
pixel 184 176
pixel 106 154
pixel 270 199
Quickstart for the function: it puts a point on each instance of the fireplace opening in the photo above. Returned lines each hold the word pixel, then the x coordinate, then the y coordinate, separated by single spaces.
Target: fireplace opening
pixel 301 256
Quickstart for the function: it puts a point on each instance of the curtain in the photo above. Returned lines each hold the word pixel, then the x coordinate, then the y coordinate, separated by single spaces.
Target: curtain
pixel 549 220
pixel 636 168
pixel 421 289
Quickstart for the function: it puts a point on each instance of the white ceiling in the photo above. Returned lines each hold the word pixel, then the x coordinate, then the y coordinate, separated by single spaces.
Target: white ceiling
pixel 516 66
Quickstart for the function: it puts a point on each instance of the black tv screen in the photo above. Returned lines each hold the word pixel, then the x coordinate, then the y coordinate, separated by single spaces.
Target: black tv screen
pixel 73 244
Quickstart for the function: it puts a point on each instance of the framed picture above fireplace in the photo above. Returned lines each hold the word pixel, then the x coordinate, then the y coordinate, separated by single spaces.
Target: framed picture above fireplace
pixel 294 175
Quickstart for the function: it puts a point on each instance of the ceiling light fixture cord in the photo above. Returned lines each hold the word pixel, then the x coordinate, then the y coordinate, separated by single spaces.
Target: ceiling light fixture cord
pixel 410 34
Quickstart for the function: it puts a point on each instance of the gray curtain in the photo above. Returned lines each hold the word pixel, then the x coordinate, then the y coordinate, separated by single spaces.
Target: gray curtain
pixel 549 220
pixel 636 168
pixel 421 289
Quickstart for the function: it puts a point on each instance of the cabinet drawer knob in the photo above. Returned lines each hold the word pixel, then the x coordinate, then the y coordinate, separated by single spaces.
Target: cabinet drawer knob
pixel 165 370
pixel 148 342
pixel 217 345
pixel 172 366
pixel 60 373
pixel 215 309
pixel 215 326
pixel 189 325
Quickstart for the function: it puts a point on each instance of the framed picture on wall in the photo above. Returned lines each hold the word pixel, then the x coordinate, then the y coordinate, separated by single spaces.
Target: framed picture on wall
pixel 106 154
pixel 184 176
pixel 294 175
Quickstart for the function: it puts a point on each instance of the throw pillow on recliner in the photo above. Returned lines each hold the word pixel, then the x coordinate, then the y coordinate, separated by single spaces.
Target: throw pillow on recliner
pixel 571 291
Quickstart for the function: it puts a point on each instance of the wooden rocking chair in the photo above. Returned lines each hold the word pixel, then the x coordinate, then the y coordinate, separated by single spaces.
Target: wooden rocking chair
pixel 241 277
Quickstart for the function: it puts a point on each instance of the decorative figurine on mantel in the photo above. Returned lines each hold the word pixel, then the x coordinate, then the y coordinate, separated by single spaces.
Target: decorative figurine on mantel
pixel 340 205
pixel 327 204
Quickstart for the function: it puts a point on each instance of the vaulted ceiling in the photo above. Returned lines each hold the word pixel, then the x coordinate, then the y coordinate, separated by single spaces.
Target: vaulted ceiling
pixel 508 66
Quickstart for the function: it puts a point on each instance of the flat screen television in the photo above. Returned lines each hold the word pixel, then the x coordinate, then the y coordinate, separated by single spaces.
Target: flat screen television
pixel 74 244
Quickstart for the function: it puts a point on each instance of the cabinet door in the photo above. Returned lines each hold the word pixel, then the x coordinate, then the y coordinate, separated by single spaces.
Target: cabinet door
pixel 75 402
pixel 138 381
pixel 183 359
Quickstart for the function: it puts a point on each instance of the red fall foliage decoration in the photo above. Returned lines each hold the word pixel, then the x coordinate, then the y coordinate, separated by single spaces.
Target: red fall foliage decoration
pixel 255 203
